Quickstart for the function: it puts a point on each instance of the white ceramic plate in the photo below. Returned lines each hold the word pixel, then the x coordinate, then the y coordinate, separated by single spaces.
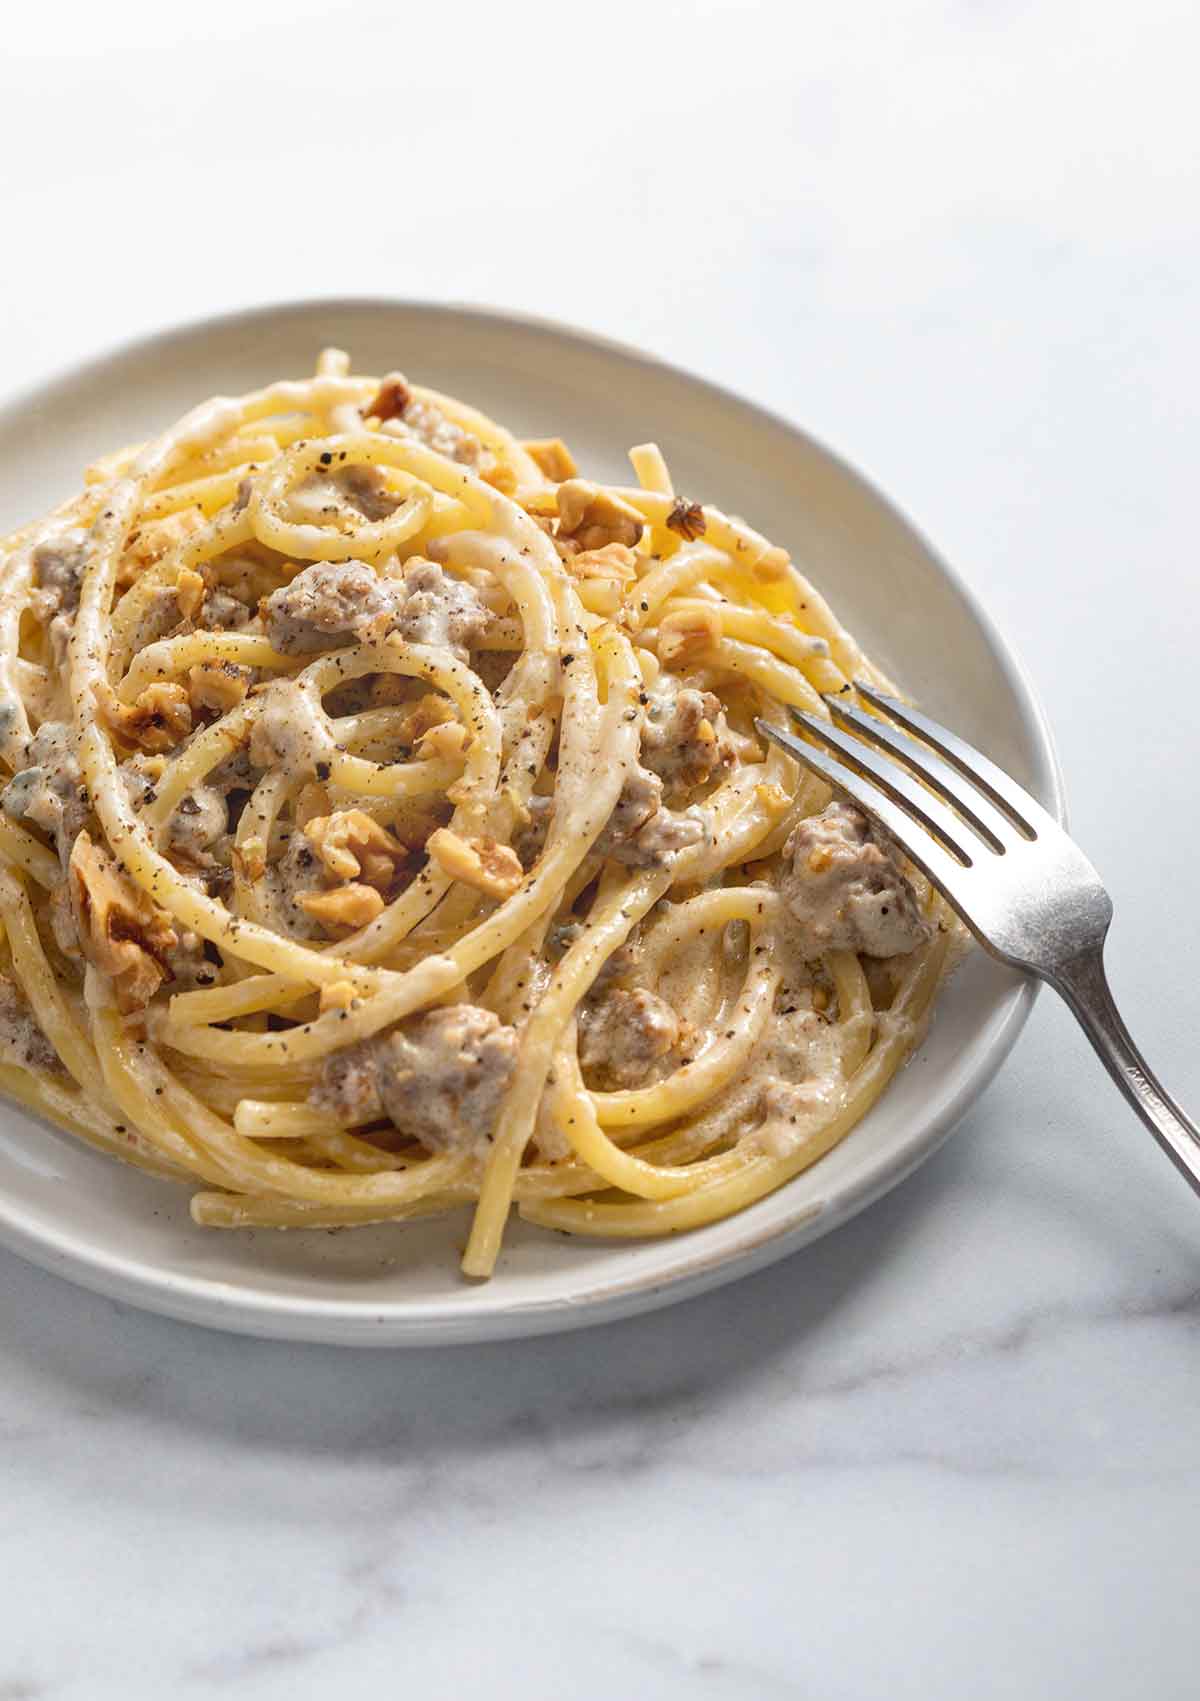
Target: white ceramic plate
pixel 118 1231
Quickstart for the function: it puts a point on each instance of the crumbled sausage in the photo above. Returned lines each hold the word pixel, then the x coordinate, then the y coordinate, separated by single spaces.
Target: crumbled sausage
pixel 439 1076
pixel 235 773
pixel 222 612
pixel 285 884
pixel 667 832
pixel 846 890
pixel 59 566
pixel 685 739
pixel 288 731
pixel 529 840
pixel 431 426
pixel 395 405
pixel 49 792
pixel 344 498
pixel 625 1034
pixel 22 1042
pixel 200 820
pixel 158 618
pixel 640 831
pixel 430 606
pixel 323 607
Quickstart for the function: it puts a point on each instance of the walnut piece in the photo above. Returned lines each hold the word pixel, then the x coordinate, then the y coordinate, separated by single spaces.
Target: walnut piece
pixel 351 906
pixel 552 457
pixel 122 931
pixel 613 561
pixel 426 713
pixel 500 476
pixel 443 743
pixel 591 517
pixel 250 858
pixel 391 399
pixel 687 633
pixel 772 796
pixel 352 845
pixel 159 719
pixel 217 685
pixel 771 566
pixel 190 591
pixel 687 518
pixel 150 542
pixel 480 862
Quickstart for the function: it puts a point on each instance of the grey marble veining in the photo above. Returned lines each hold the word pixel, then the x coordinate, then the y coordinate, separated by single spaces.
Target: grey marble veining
pixel 949 1451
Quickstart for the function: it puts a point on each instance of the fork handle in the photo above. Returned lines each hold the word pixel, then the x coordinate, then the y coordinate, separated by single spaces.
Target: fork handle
pixel 1083 984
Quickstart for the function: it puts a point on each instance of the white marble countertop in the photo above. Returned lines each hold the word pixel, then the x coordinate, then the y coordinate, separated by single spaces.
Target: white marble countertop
pixel 950 1451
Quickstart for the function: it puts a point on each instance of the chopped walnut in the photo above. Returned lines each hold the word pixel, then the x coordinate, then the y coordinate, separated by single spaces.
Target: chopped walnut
pixel 591 517
pixel 429 711
pixel 625 1033
pixel 687 518
pixel 386 690
pixel 352 846
pixel 22 1042
pixel 443 743
pixel 250 858
pixel 217 685
pixel 391 399
pixel 189 593
pixel 351 906
pixel 150 542
pixel 773 798
pixel 500 476
pixel 552 457
pixel 605 597
pixel 481 862
pixel 121 930
pixel 687 633
pixel 311 800
pixel 613 561
pixel 772 566
pixel 160 718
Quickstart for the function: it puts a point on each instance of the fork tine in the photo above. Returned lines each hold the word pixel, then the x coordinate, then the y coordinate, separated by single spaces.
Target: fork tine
pixel 919 845
pixel 994 827
pixel 1024 811
pixel 896 783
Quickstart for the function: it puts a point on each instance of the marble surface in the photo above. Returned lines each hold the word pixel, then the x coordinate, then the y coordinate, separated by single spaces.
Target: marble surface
pixel 951 1450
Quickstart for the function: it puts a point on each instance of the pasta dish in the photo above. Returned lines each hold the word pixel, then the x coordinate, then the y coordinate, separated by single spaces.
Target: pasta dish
pixel 384 829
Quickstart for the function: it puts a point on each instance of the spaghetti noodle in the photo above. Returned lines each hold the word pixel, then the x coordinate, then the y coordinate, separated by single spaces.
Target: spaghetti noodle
pixel 384 830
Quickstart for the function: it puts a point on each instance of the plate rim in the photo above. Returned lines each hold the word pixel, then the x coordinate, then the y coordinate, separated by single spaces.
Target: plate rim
pixel 215 1303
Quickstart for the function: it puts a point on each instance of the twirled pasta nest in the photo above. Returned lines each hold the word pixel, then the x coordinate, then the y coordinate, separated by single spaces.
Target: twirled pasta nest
pixel 386 830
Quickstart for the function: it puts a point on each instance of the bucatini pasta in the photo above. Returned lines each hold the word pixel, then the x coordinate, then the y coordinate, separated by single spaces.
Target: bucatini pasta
pixel 384 830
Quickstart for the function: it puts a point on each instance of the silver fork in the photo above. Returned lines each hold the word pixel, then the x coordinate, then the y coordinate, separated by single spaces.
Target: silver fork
pixel 1026 891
